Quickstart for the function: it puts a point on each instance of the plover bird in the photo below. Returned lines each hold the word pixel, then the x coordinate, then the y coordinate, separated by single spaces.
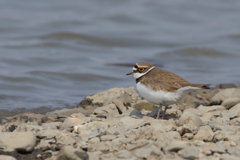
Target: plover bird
pixel 161 87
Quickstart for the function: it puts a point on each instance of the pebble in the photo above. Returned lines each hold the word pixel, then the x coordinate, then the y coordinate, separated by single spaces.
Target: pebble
pixel 230 102
pixel 235 109
pixel 4 157
pixel 189 117
pixel 17 141
pixel 190 153
pixel 175 146
pixel 205 134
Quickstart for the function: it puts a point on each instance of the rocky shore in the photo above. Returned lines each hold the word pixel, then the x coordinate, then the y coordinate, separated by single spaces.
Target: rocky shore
pixel 118 124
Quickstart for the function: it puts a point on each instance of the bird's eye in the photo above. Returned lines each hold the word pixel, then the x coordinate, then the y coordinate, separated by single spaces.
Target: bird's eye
pixel 141 69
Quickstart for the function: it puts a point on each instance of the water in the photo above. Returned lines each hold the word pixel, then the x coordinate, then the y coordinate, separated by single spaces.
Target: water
pixel 55 53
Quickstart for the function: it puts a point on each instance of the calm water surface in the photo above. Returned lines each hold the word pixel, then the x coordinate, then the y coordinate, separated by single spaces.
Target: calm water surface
pixel 55 53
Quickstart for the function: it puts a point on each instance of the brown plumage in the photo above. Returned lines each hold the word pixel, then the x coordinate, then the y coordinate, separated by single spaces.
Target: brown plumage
pixel 150 79
pixel 159 79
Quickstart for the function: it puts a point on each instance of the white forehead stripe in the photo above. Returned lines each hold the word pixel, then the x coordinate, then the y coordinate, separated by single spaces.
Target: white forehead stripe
pixel 134 69
pixel 143 66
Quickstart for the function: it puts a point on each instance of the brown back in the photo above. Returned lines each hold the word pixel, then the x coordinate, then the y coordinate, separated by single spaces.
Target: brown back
pixel 159 79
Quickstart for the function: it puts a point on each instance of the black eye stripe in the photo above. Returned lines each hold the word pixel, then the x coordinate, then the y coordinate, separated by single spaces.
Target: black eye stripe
pixel 136 66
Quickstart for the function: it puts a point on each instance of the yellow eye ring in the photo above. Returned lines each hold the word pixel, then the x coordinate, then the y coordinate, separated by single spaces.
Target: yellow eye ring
pixel 141 69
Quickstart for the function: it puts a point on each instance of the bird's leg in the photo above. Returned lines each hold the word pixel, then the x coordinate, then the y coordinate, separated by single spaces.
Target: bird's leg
pixel 160 107
pixel 164 112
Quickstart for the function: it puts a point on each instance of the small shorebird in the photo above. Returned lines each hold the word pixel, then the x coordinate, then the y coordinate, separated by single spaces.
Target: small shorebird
pixel 161 87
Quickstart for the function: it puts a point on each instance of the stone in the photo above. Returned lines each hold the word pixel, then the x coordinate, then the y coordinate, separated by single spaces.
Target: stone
pixel 167 125
pixel 107 137
pixel 215 125
pixel 26 127
pixel 29 117
pixel 208 116
pixel 71 121
pixel 5 157
pixel 48 133
pixel 235 122
pixel 198 143
pixel 148 119
pixel 18 141
pixel 195 111
pixel 187 136
pixel 206 152
pixel 131 122
pixel 190 153
pixel 189 102
pixel 53 116
pixel 107 110
pixel 231 136
pixel 93 140
pixel 123 140
pixel 223 120
pixel 218 148
pixel 174 112
pixel 115 130
pixel 90 130
pixel 143 104
pixel 204 121
pixel 137 144
pixel 229 157
pixel 190 128
pixel 123 154
pixel 137 113
pixel 189 117
pixel 107 156
pixel 45 143
pixel 235 109
pixel 175 146
pixel 220 136
pixel 230 102
pixel 147 151
pixel 205 134
pixel 140 133
pixel 3 120
pixel 154 112
pixel 121 108
pixel 175 135
pixel 104 146
pixel 66 138
pixel 225 94
pixel 228 115
pixel 94 155
pixel 51 126
pixel 216 113
pixel 225 86
pixel 124 95
pixel 206 109
pixel 68 152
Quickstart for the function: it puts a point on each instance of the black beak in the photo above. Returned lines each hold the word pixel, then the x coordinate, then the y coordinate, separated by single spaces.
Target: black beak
pixel 129 73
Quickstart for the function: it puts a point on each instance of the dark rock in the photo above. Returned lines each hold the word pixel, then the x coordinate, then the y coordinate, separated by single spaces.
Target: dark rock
pixel 225 86
pixel 3 120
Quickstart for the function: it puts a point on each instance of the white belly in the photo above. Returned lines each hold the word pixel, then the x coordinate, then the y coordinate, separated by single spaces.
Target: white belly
pixel 163 97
